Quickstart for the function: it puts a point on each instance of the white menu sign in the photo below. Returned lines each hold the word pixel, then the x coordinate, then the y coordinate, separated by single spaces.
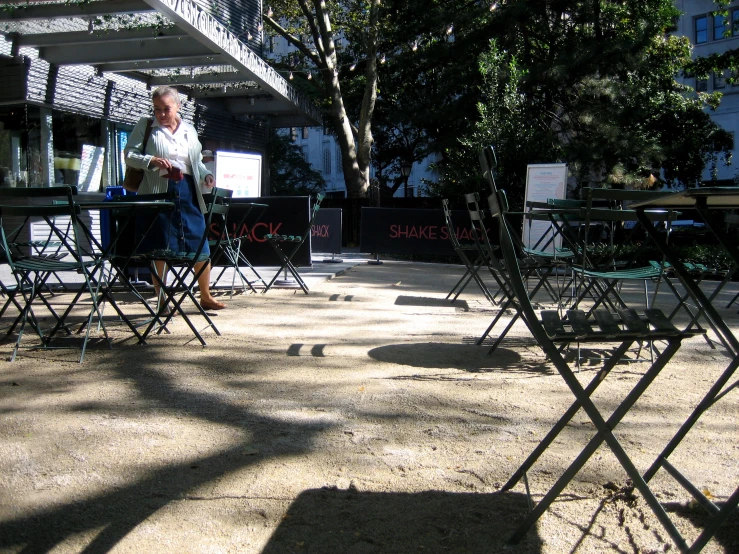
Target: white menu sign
pixel 242 173
pixel 543 181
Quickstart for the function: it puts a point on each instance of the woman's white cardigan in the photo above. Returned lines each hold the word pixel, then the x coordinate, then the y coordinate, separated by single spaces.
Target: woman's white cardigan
pixel 158 146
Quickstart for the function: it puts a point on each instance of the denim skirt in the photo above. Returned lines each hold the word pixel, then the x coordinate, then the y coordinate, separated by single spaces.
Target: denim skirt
pixel 177 232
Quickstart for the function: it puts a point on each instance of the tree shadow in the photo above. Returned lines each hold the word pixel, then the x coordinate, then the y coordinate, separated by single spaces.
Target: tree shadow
pixel 465 357
pixel 331 520
pixel 120 509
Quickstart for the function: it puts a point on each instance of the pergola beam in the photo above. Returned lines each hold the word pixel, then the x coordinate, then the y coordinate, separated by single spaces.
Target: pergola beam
pixel 88 9
pixel 142 51
pixel 187 61
pixel 200 79
pixel 99 37
pixel 205 28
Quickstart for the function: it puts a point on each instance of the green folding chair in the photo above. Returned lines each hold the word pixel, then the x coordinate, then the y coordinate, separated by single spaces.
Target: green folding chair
pixel 286 246
pixel 31 271
pixel 550 329
pixel 464 251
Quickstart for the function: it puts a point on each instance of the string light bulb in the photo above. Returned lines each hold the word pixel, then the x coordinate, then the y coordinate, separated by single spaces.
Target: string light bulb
pixel 450 29
pixel 90 27
pixel 310 75
pixel 352 67
pixel 415 46
pixel 493 6
pixel 270 13
pixel 260 27
pixel 248 36
pixel 291 76
pixel 383 60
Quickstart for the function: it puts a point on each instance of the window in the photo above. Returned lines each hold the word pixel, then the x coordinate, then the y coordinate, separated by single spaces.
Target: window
pixel 719 26
pixel 293 134
pixel 701 29
pixel 305 132
pixel 338 159
pixel 327 161
pixel 719 81
pixel 735 23
pixel 701 85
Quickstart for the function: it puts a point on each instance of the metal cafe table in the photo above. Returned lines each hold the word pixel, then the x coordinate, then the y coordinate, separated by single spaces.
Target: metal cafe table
pixel 122 214
pixel 710 203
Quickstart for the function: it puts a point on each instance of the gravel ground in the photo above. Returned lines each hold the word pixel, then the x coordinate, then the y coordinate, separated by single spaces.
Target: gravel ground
pixel 360 418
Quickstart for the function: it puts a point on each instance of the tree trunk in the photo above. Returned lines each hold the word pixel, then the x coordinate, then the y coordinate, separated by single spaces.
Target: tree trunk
pixel 355 143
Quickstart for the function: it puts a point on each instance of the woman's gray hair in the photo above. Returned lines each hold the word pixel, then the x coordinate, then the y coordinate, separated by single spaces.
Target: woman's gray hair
pixel 163 91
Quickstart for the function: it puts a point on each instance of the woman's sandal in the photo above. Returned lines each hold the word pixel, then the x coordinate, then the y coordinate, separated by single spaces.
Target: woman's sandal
pixel 212 304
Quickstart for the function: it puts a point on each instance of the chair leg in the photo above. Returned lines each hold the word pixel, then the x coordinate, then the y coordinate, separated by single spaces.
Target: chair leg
pixel 605 434
pixel 566 417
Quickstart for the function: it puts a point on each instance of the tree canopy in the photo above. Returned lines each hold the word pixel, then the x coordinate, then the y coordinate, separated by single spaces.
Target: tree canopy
pixel 592 84
pixel 589 83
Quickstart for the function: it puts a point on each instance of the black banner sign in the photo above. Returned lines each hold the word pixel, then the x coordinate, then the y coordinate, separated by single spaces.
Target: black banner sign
pixel 326 231
pixel 411 231
pixel 284 215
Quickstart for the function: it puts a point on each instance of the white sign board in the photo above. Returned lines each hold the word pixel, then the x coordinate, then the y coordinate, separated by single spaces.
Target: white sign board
pixel 242 173
pixel 91 168
pixel 543 181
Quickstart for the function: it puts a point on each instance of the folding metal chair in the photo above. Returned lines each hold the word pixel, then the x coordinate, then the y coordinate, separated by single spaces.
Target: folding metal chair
pixel 286 246
pixel 122 259
pixel 551 329
pixel 32 271
pixel 35 236
pixel 183 277
pixel 535 268
pixel 472 268
pixel 230 248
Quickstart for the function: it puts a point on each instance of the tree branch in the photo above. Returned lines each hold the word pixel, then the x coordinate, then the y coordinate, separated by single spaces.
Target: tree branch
pixel 293 40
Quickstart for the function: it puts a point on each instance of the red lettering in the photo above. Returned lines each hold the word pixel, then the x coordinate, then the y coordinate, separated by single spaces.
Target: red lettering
pixel 319 231
pixel 401 231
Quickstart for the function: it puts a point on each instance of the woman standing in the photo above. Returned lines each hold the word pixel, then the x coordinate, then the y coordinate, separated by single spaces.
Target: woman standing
pixel 174 164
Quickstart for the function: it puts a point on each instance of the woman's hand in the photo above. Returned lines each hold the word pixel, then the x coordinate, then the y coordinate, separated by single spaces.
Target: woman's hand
pixel 210 182
pixel 161 163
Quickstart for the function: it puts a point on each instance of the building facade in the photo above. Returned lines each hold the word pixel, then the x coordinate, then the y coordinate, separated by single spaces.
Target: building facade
pixel 713 33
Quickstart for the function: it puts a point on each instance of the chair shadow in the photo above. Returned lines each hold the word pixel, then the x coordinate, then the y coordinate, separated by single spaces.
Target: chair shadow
pixel 428 301
pixel 332 520
pixel 464 357
pixel 727 535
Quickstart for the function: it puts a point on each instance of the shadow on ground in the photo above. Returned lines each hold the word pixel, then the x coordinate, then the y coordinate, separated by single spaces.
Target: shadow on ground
pixel 465 357
pixel 331 520
pixel 727 535
pixel 431 302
